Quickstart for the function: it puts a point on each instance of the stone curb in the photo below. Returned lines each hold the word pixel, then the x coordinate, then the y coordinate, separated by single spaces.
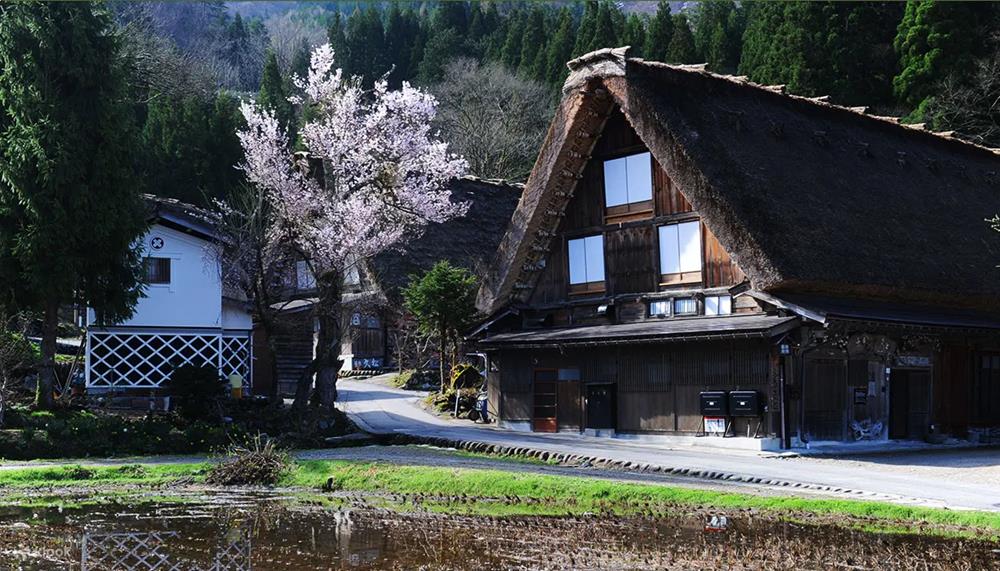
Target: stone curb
pixel 583 460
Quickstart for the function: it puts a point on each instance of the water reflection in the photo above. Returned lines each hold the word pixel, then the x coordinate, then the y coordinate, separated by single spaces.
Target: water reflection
pixel 263 533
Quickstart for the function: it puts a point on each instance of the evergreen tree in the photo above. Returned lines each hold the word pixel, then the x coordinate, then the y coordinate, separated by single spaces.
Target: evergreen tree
pixel 588 24
pixel 441 47
pixel 635 35
pixel 605 35
pixel 659 33
pixel 300 62
pixel 560 49
pixel 443 301
pixel 533 45
pixel 338 42
pixel 366 45
pixel 681 48
pixel 510 54
pixel 451 16
pixel 398 43
pixel 70 208
pixel 935 40
pixel 223 147
pixel 273 97
pixel 839 49
pixel 718 34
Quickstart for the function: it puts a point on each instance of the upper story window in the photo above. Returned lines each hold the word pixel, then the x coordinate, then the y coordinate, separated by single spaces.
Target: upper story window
pixel 586 264
pixel 718 305
pixel 304 278
pixel 157 270
pixel 680 253
pixel 628 187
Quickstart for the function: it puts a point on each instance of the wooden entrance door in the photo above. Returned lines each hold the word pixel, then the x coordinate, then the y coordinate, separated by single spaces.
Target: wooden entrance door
pixel 909 403
pixel 824 391
pixel 545 405
pixel 600 406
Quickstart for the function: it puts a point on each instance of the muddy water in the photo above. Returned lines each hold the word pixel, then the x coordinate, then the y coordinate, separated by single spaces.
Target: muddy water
pixel 263 532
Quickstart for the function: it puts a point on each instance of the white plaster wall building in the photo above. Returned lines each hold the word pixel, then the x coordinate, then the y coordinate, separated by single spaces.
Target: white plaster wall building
pixel 186 315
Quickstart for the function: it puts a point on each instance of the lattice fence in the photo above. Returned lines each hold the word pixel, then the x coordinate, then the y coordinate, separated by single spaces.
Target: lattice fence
pixel 127 359
pixel 148 552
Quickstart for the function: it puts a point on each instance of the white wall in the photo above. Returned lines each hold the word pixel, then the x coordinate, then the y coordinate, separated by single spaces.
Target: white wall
pixel 193 298
pixel 235 316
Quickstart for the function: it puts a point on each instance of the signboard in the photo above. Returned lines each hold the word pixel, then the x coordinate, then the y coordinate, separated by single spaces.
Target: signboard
pixel 860 395
pixel 913 361
pixel 715 425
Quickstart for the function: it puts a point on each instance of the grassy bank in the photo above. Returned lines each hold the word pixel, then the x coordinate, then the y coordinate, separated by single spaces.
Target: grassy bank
pixel 559 495
pixel 499 492
pixel 80 475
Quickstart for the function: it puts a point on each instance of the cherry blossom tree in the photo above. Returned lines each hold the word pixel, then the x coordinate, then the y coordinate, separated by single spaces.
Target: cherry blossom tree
pixel 373 173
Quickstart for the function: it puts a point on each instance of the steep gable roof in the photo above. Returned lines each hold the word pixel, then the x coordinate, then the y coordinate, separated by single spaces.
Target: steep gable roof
pixel 806 196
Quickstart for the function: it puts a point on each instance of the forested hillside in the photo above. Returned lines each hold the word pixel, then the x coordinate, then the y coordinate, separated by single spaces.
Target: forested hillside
pixel 497 66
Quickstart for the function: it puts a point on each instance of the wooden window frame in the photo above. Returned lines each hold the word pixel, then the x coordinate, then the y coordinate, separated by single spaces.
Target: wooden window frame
pixel 682 278
pixel 161 263
pixel 630 211
pixel 585 288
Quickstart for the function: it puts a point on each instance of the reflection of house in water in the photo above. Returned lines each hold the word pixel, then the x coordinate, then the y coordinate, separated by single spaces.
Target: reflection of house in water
pixel 145 551
pixel 357 545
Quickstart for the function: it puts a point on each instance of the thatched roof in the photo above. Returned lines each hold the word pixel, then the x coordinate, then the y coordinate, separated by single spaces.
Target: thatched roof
pixel 469 241
pixel 805 195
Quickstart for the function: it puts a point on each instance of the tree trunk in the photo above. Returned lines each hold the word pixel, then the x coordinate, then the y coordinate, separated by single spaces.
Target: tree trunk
pixel 442 355
pixel 326 362
pixel 47 368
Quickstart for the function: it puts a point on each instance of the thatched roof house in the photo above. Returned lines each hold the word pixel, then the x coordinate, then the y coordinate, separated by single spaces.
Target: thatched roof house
pixel 685 236
pixel 805 195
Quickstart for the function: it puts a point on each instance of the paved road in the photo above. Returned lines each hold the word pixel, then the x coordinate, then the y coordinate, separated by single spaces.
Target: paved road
pixel 384 410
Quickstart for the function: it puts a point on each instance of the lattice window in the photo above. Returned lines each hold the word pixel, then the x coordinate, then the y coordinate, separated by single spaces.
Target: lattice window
pixel 145 360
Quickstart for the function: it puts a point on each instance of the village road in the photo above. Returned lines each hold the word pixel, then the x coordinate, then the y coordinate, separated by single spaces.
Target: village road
pixel 922 478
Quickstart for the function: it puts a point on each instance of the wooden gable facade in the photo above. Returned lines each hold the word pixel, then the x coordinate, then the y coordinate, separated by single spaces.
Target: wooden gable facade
pixel 630 239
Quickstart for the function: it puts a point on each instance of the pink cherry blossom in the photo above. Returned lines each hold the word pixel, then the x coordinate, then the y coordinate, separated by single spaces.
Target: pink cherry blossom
pixel 385 171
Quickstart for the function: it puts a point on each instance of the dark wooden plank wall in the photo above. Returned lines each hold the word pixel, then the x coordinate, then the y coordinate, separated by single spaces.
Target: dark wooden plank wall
pixel 631 265
pixel 657 385
pixel 719 269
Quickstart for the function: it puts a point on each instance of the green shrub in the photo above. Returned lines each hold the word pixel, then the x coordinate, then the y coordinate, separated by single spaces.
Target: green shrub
pixel 197 390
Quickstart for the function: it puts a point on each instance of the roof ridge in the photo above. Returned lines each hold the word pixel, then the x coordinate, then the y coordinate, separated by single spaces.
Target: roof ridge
pixel 607 62
pixel 493 181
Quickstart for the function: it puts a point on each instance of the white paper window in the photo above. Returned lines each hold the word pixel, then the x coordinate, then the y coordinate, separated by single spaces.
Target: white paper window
pixel 586 260
pixel 718 305
pixel 680 248
pixel 628 180
pixel 685 306
pixel 659 308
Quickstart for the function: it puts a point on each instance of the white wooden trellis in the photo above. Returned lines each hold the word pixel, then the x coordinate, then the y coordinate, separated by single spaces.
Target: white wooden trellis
pixel 143 359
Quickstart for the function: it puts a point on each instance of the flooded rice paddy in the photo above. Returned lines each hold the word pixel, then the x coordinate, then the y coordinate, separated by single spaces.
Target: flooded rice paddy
pixel 263 531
